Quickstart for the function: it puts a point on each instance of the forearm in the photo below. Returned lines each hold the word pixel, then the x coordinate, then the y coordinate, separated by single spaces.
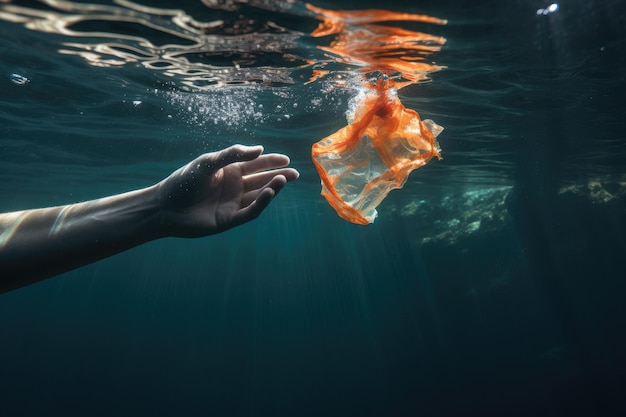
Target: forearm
pixel 37 244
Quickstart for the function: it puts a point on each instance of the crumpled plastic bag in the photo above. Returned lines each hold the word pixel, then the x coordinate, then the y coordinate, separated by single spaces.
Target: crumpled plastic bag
pixel 362 162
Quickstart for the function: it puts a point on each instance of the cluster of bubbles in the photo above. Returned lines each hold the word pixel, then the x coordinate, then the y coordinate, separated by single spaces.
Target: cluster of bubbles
pixel 227 108
pixel 249 106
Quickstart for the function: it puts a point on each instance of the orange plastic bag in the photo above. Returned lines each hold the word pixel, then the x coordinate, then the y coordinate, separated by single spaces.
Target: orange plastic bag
pixel 383 142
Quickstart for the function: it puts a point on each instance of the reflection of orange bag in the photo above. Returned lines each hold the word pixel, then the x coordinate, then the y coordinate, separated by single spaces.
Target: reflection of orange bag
pixel 374 154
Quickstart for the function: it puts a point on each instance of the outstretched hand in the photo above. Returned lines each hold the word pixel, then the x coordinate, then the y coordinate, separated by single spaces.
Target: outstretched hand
pixel 221 190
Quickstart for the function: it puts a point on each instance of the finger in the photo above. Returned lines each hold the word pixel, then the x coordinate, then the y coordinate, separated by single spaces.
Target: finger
pixel 211 162
pixel 264 162
pixel 261 179
pixel 254 209
pixel 276 183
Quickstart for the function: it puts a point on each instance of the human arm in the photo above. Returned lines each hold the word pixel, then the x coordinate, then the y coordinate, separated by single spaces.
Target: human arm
pixel 212 193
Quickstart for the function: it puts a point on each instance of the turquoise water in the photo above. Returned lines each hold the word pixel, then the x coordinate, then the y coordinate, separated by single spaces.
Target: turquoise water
pixel 491 283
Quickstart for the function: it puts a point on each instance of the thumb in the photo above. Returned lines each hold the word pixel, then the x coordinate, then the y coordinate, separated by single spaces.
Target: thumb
pixel 211 162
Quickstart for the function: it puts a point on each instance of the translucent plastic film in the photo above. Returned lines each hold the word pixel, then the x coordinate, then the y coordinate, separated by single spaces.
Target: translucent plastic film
pixel 374 154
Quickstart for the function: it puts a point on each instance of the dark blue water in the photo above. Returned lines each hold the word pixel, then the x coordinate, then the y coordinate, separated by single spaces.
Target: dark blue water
pixel 491 284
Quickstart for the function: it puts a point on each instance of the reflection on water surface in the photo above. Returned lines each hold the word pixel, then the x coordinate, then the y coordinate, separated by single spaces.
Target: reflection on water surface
pixel 222 43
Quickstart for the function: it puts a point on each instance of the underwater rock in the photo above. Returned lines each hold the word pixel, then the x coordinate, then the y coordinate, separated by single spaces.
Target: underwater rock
pixel 488 211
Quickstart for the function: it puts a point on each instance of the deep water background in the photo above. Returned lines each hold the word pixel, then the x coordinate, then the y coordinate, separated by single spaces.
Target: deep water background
pixel 299 312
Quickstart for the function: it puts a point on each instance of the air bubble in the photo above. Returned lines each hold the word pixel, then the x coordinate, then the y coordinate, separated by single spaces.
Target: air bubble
pixel 553 8
pixel 18 79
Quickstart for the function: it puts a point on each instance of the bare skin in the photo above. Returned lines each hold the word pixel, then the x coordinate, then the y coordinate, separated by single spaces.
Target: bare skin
pixel 211 194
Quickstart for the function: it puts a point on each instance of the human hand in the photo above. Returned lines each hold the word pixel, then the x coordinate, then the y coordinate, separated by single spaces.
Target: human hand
pixel 220 190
